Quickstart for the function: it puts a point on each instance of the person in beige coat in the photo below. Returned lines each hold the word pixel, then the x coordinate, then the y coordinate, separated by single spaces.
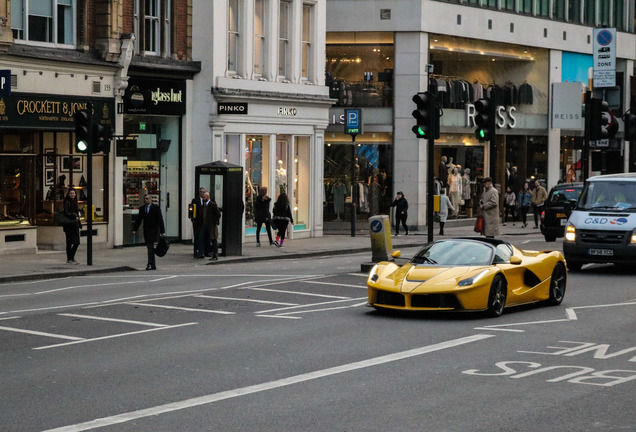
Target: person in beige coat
pixel 539 195
pixel 489 205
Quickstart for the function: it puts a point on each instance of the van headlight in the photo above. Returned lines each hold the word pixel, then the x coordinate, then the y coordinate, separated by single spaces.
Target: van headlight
pixel 633 237
pixel 570 232
pixel 473 279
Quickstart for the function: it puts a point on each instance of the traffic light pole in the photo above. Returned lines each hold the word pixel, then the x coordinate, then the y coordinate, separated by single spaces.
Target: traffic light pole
pixel 586 137
pixel 353 185
pixel 430 180
pixel 89 205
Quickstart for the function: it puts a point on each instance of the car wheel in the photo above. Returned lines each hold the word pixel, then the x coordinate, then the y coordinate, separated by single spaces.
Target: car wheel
pixel 574 265
pixel 550 238
pixel 497 296
pixel 558 281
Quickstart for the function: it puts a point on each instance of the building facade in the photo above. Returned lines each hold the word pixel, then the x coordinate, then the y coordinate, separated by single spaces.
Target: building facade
pixel 260 101
pixel 61 56
pixel 514 52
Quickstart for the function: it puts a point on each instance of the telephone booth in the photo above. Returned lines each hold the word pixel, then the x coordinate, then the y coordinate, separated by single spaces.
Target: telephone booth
pixel 224 181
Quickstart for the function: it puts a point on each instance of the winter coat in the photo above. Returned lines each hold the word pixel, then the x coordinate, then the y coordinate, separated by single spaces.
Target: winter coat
pixel 261 209
pixel 401 205
pixel 523 199
pixel 539 195
pixel 72 231
pixel 444 206
pixel 211 218
pixel 490 201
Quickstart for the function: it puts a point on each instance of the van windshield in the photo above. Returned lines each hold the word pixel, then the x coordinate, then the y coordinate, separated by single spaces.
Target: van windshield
pixel 614 195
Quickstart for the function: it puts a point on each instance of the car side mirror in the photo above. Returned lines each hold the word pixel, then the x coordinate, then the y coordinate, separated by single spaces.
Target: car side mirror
pixel 396 254
pixel 515 260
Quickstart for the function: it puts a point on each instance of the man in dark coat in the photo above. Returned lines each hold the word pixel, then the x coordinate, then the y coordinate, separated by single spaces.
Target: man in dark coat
pixel 401 212
pixel 150 215
pixel 201 246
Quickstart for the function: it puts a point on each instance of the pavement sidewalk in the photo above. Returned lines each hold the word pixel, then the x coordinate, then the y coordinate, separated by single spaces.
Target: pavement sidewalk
pixel 52 264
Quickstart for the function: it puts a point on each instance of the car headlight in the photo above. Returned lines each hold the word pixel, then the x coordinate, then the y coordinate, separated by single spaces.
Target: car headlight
pixel 473 279
pixel 570 232
pixel 373 274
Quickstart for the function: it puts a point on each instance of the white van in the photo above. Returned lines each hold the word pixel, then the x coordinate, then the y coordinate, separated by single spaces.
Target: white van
pixel 601 228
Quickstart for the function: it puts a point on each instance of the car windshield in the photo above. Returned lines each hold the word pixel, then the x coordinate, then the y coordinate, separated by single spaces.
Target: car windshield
pixel 604 195
pixel 561 196
pixel 455 252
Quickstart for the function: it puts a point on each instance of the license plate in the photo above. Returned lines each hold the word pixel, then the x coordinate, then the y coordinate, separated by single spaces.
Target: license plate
pixel 560 215
pixel 564 222
pixel 602 252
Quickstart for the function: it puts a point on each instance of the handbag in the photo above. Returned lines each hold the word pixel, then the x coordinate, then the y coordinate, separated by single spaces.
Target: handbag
pixel 479 224
pixel 162 247
pixel 272 224
pixel 61 219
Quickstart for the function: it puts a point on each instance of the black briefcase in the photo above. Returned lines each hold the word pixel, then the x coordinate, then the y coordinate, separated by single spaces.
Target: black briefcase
pixel 162 247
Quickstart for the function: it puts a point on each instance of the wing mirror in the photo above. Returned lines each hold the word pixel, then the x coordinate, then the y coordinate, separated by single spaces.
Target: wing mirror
pixel 396 254
pixel 515 260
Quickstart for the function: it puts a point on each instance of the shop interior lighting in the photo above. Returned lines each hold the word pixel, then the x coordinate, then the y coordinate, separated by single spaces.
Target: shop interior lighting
pixel 487 53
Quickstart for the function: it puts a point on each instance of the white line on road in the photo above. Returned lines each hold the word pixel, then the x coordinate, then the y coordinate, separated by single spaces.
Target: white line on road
pixel 90 317
pixel 295 292
pixel 37 333
pixel 335 283
pixel 114 336
pixel 10 318
pixel 309 305
pixel 277 316
pixel 325 309
pixel 163 278
pixel 245 300
pixel 257 388
pixel 181 308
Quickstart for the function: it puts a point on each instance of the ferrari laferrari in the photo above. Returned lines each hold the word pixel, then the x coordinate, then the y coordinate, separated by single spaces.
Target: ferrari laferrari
pixel 468 274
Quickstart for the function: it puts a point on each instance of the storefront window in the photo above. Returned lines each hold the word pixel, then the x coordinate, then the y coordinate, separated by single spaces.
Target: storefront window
pixel 570 168
pixel 256 172
pixel 281 167
pixel 360 69
pixel 18 160
pixel 300 204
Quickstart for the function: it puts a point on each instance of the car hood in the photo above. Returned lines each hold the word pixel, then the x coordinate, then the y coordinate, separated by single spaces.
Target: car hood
pixel 434 277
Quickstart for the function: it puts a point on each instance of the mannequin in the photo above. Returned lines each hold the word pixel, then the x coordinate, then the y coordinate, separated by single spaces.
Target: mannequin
pixel 442 171
pixel 450 165
pixel 466 193
pixel 339 192
pixel 281 178
pixel 455 190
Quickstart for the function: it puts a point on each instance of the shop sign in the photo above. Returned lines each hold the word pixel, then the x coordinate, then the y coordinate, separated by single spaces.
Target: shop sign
pixel 53 112
pixel 566 105
pixel 231 108
pixel 5 82
pixel 287 112
pixel 505 116
pixel 155 96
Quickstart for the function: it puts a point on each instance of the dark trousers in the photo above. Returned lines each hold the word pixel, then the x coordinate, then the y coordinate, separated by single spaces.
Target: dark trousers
pixel 524 213
pixel 400 218
pixel 151 254
pixel 512 210
pixel 215 247
pixel 201 241
pixel 282 229
pixel 536 210
pixel 71 248
pixel 268 228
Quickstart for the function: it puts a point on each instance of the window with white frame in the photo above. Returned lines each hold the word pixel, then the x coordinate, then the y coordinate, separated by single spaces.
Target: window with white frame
pixel 306 41
pixel 259 36
pixel 153 26
pixel 233 36
pixel 49 21
pixel 283 38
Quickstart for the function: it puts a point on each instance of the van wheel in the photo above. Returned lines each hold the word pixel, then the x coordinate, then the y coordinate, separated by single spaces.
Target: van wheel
pixel 574 265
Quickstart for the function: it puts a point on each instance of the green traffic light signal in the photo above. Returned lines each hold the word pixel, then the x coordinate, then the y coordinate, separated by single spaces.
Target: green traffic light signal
pixel 419 131
pixel 83 130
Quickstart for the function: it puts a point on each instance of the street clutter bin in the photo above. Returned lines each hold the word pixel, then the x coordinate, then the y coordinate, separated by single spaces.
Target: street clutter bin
pixel 380 231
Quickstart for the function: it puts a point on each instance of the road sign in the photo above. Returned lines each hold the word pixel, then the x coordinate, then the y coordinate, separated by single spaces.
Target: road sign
pixel 604 57
pixel 353 122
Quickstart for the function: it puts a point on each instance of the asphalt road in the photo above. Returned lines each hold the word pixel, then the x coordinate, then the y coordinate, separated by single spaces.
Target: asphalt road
pixel 289 345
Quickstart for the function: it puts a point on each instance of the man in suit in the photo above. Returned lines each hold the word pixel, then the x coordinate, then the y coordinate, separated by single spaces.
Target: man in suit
pixel 150 215
pixel 201 247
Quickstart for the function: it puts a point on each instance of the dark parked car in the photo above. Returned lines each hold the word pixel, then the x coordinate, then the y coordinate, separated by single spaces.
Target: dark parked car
pixel 561 199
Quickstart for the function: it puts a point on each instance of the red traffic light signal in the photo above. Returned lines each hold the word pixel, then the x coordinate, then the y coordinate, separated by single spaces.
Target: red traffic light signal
pixel 485 119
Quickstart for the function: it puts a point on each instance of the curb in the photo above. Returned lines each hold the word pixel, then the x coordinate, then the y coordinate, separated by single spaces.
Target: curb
pixel 41 276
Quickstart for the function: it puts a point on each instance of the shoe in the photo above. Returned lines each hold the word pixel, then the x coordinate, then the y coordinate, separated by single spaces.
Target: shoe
pixel 505 224
pixel 258 245
pixel 214 258
pixel 277 244
pixel 151 267
pixel 535 227
pixel 69 262
pixel 271 243
pixel 75 262
pixel 524 225
pixel 514 224
pixel 407 233
pixel 281 246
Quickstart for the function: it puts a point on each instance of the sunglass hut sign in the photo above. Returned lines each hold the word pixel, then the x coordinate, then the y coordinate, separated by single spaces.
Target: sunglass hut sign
pixel 155 97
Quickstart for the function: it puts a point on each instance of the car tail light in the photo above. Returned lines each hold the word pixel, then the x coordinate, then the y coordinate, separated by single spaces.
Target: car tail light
pixel 543 216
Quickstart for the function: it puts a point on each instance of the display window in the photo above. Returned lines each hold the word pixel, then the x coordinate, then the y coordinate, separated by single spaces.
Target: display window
pixel 570 163
pixel 257 151
pixel 300 193
pixel 357 174
pixel 359 68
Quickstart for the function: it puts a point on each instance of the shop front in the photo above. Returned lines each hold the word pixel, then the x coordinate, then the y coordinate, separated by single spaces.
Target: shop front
pixel 39 165
pixel 151 151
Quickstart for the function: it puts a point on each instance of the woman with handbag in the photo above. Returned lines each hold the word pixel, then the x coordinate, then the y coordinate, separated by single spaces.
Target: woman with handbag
pixel 72 230
pixel 262 215
pixel 282 217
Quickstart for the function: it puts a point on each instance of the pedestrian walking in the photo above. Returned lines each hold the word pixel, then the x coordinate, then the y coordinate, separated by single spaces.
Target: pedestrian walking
pixel 524 198
pixel 489 204
pixel 262 216
pixel 282 217
pixel 401 212
pixel 150 215
pixel 211 219
pixel 196 216
pixel 72 230
pixel 444 205
pixel 510 206
pixel 539 195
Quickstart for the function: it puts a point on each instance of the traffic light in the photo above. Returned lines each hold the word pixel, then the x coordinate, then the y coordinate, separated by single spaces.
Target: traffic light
pixel 101 138
pixel 609 125
pixel 630 125
pixel 485 119
pixel 593 115
pixel 83 130
pixel 426 115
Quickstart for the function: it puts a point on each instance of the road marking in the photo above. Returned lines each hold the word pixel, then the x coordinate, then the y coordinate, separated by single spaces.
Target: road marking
pixel 85 286
pixel 257 388
pixel 10 318
pixel 163 278
pixel 499 329
pixel 37 333
pixel 277 316
pixel 114 336
pixel 149 324
pixel 324 309
pixel 334 283
pixel 295 292
pixel 181 308
pixel 245 300
pixel 311 305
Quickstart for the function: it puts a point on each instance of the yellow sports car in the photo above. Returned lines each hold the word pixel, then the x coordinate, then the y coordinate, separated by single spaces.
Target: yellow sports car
pixel 471 273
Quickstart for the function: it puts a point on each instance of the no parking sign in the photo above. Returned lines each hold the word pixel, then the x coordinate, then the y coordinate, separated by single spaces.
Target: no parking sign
pixel 604 57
